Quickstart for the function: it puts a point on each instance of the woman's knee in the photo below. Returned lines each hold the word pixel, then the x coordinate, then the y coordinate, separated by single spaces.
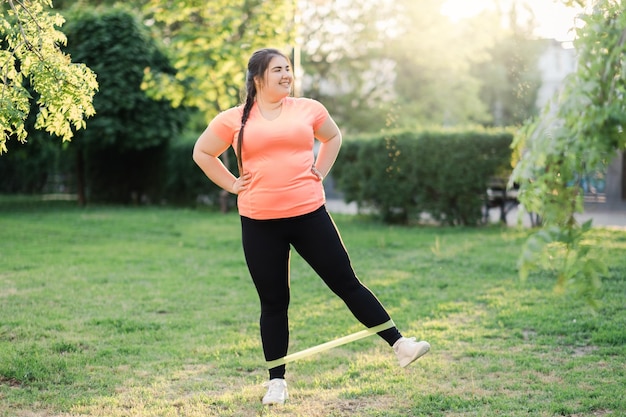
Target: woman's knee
pixel 274 303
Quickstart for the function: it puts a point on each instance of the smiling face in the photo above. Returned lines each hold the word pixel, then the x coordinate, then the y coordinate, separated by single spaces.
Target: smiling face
pixel 277 79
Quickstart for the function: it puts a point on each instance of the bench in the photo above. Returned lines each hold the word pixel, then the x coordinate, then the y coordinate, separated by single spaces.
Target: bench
pixel 497 195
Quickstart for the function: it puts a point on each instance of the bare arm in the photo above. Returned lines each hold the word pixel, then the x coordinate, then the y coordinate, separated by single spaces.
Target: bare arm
pixel 330 137
pixel 206 154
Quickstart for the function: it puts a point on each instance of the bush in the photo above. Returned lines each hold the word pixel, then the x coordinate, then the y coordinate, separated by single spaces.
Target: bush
pixel 185 182
pixel 124 145
pixel 26 167
pixel 134 176
pixel 405 174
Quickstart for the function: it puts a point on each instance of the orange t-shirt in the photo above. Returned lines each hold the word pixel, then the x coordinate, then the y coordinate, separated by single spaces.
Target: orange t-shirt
pixel 279 155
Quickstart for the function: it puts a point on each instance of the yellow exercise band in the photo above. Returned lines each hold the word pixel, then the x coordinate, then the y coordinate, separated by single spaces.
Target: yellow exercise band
pixel 329 345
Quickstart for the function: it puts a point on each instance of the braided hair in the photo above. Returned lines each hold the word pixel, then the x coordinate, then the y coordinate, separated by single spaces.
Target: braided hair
pixel 257 65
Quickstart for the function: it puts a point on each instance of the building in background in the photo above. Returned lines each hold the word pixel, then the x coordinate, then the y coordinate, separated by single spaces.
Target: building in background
pixel 606 188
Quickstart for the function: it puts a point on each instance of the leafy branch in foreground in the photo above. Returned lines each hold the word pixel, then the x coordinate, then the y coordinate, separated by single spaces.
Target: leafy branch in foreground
pixel 577 136
pixel 30 55
pixel 565 252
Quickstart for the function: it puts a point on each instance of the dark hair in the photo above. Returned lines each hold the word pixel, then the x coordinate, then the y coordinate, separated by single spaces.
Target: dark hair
pixel 257 65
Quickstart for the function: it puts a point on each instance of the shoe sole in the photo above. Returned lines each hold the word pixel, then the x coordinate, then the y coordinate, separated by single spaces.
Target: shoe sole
pixel 418 354
pixel 276 402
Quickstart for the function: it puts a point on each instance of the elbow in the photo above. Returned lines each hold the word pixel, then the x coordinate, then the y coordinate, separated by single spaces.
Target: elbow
pixel 337 137
pixel 196 154
pixel 336 140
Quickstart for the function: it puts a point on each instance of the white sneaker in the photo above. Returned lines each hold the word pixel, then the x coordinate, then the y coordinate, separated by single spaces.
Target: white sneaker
pixel 276 391
pixel 408 350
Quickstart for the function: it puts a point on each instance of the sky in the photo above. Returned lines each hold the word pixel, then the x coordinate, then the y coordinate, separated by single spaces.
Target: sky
pixel 553 18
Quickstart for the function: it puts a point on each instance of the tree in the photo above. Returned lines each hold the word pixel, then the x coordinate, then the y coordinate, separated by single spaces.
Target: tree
pixel 578 133
pixel 67 4
pixel 379 63
pixel 210 43
pixel 510 78
pixel 343 64
pixel 433 56
pixel 121 152
pixel 30 55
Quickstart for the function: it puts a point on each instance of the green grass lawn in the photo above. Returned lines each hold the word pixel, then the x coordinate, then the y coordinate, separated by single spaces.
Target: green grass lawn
pixel 112 312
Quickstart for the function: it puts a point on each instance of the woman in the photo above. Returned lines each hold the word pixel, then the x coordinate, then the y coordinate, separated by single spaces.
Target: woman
pixel 281 204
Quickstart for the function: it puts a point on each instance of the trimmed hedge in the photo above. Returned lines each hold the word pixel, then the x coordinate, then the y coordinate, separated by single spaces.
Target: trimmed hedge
pixel 185 183
pixel 401 175
pixel 405 174
pixel 26 168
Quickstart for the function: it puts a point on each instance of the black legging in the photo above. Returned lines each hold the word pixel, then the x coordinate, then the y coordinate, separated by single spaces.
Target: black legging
pixel 266 245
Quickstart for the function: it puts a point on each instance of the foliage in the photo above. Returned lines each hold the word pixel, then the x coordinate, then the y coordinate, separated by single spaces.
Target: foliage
pixel 67 4
pixel 510 79
pixel 373 63
pixel 577 134
pixel 404 174
pixel 379 64
pixel 564 252
pixel 342 61
pixel 26 168
pixel 433 56
pixel 185 183
pixel 126 141
pixel 30 54
pixel 119 49
pixel 210 43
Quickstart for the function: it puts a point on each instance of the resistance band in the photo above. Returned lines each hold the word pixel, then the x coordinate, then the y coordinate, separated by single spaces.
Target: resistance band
pixel 329 345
